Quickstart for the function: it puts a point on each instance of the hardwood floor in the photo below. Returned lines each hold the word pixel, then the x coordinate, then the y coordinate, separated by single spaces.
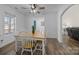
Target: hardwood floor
pixel 8 49
pixel 53 47
pixel 69 47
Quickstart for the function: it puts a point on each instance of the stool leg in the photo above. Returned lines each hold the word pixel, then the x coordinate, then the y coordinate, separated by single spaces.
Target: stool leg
pixel 22 52
pixel 43 47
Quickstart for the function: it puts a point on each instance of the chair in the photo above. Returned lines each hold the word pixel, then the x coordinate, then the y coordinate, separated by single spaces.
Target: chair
pixel 27 45
pixel 18 43
pixel 30 44
pixel 40 46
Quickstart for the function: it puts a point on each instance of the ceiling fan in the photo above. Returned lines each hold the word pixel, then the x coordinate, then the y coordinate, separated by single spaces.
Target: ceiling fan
pixel 31 8
pixel 36 8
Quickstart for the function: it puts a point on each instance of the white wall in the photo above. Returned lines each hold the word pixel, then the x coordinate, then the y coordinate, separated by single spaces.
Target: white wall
pixel 51 25
pixel 28 22
pixel 20 19
pixel 71 17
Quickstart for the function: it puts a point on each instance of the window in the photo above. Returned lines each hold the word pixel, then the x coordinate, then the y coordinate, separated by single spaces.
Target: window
pixel 9 24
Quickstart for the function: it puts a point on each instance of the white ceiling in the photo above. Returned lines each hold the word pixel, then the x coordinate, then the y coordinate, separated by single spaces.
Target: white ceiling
pixel 25 8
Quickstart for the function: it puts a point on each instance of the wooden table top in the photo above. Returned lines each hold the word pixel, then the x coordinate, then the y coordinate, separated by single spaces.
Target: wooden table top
pixel 29 34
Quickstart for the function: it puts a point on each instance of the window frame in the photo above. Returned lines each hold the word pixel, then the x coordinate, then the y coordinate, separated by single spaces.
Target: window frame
pixel 10 30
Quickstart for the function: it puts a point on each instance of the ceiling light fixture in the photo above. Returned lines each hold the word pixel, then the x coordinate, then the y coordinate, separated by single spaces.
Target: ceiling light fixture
pixel 33 8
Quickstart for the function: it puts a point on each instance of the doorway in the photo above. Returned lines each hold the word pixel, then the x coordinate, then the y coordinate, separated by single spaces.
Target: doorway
pixel 40 24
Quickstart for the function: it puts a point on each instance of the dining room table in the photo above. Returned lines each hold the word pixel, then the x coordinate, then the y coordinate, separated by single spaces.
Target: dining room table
pixel 35 36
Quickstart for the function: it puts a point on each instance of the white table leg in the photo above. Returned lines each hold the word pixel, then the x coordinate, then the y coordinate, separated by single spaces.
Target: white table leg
pixel 15 45
pixel 43 47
